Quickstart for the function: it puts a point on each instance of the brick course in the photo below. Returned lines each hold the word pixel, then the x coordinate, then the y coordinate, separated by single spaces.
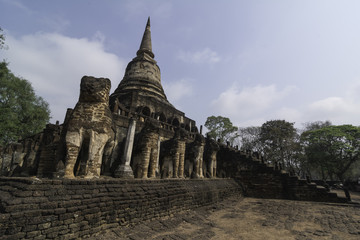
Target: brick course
pixel 69 209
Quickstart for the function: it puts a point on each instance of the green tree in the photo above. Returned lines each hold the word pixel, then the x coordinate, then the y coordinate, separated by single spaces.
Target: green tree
pixel 280 143
pixel 249 139
pixel 221 128
pixel 306 167
pixel 22 113
pixel 332 149
pixel 316 125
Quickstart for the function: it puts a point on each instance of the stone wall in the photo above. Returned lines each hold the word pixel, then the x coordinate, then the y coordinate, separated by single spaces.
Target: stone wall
pixel 33 155
pixel 261 180
pixel 70 209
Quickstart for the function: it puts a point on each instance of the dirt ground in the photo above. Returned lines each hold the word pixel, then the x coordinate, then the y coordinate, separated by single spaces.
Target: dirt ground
pixel 250 219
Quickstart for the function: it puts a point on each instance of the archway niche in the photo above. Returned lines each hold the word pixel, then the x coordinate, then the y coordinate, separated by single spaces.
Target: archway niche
pixel 175 122
pixel 146 111
pixel 162 117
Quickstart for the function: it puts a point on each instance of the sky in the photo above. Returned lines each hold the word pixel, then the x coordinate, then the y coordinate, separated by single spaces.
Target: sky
pixel 250 61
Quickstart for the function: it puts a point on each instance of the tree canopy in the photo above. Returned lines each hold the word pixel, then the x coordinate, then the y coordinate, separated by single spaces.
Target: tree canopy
pixel 249 139
pixel 332 149
pixel 279 141
pixel 22 113
pixel 316 125
pixel 322 151
pixel 221 128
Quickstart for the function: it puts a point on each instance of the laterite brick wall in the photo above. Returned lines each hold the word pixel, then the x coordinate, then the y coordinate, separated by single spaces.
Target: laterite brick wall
pixel 69 209
pixel 261 180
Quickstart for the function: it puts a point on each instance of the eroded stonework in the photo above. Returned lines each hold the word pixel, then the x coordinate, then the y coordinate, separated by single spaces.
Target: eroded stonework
pixel 89 133
pixel 136 132
pixel 95 138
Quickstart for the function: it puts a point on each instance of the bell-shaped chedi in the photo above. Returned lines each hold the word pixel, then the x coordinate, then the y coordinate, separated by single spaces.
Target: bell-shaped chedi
pixel 141 94
pixel 142 80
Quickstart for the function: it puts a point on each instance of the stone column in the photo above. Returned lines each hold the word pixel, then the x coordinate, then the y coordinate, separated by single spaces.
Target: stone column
pixel 145 161
pixel 175 158
pixel 198 163
pixel 124 170
pixel 213 164
pixel 152 163
pixel 154 159
pixel 181 159
pixel 157 168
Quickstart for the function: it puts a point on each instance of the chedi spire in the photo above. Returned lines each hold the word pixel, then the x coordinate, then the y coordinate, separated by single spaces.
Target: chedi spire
pixel 145 46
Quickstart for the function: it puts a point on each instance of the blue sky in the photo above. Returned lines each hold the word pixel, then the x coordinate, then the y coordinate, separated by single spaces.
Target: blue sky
pixel 251 61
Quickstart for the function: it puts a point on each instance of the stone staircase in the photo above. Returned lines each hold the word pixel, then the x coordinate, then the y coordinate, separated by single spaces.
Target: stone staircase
pixel 261 180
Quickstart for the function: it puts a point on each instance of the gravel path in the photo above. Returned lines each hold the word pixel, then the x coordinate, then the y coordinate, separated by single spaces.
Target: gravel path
pixel 251 218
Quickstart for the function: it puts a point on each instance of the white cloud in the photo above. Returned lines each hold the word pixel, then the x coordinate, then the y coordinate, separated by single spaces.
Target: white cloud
pixel 242 104
pixel 99 37
pixel 55 64
pixel 204 56
pixel 252 106
pixel 178 89
pixel 339 110
pixel 330 104
pixel 288 114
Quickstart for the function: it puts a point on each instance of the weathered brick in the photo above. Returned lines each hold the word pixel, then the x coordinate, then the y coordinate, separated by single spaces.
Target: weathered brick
pixel 71 209
pixel 33 234
pixel 79 219
pixel 60 210
pixel 69 203
pixel 71 236
pixel 38 193
pixel 29 228
pixel 77 196
pixel 16 236
pixel 129 202
pixel 48 205
pixel 17 217
pixel 23 193
pixel 4 217
pixel 63 232
pixel 68 221
pixel 44 226
pixel 91 210
pixel 54 229
pixel 59 197
pixel 32 200
pixel 52 235
pixel 65 216
pixel 57 223
pixel 40 237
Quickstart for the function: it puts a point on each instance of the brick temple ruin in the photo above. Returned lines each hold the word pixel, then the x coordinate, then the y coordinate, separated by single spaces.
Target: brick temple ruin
pixel 134 132
pixel 124 158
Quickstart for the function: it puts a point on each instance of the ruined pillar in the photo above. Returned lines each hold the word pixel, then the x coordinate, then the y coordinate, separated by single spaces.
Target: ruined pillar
pixel 211 149
pixel 144 165
pixel 198 146
pixel 124 170
pixel 88 129
pixel 146 152
pixel 154 159
pixel 175 159
pixel 181 149
pixel 178 158
pixel 157 168
pixel 213 163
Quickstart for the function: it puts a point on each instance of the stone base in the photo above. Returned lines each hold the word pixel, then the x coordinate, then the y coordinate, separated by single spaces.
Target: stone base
pixel 124 171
